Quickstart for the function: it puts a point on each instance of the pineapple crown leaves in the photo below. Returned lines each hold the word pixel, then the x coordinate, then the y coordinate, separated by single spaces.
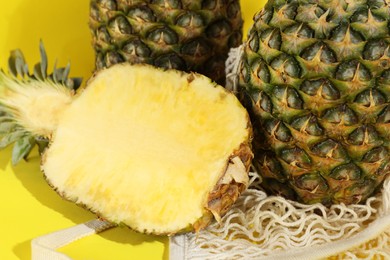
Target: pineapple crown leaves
pixel 11 132
pixel 18 68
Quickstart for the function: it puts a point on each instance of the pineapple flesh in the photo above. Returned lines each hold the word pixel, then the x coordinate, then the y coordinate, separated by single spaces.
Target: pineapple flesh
pixel 160 151
pixel 315 77
pixel 186 35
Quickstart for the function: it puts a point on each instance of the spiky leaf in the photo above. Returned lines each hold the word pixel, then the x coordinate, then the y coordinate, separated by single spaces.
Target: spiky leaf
pixel 22 149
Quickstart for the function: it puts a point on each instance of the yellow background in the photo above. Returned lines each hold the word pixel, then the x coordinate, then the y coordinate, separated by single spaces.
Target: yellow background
pixel 28 206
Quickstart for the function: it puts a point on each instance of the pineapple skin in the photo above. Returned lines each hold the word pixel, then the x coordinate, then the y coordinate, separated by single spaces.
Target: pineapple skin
pixel 180 34
pixel 315 77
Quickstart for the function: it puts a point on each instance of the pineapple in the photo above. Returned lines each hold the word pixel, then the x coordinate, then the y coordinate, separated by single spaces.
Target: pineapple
pixel 186 35
pixel 160 151
pixel 315 77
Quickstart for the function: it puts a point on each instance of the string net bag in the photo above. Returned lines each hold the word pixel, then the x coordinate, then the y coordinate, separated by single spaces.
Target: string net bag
pixel 271 227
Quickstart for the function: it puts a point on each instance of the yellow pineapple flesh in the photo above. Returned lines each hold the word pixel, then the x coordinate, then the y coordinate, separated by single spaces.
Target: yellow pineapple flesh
pixel 160 151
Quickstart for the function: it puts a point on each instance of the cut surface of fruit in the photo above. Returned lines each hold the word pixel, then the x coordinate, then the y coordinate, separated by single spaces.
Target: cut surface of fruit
pixel 145 147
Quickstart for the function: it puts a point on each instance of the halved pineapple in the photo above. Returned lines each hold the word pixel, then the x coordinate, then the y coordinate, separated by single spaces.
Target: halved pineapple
pixel 159 151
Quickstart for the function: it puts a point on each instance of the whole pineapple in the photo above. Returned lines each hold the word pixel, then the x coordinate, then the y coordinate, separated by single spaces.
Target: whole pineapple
pixel 186 35
pixel 315 76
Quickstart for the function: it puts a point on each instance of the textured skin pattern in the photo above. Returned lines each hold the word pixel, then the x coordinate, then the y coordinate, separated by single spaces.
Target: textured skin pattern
pixel 315 76
pixel 185 35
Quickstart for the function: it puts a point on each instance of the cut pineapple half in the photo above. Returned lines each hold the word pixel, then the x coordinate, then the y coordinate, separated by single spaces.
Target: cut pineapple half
pixel 158 151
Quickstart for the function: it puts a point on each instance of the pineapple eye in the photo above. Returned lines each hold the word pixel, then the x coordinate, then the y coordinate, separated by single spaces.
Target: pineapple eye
pixel 95 12
pixel 346 172
pixel 370 23
pixel 311 182
pixel 253 42
pixel 348 70
pixel 326 54
pixel 364 135
pixel 385 78
pixel 288 96
pixel 142 14
pixel 278 130
pixel 265 102
pixel 260 69
pixel 307 124
pixel 235 40
pixel 171 4
pixel 103 37
pixel 359 190
pixel 271 165
pixel 362 16
pixel 113 58
pixel 262 17
pixel 374 50
pixel 219 29
pixel 321 87
pixel 137 47
pixel 163 35
pixel 329 149
pixel 272 37
pixel 170 61
pixel 245 72
pixel 99 61
pixel 301 30
pixel 196 48
pixel 286 64
pixel 107 4
pixel 384 169
pixel 343 31
pixel 341 115
pixel 209 4
pixel 370 98
pixel 190 20
pixel 120 25
pixel 384 116
pixel 296 157
pixel 376 3
pixel 309 13
pixel 233 10
pixel 288 11
pixel 376 155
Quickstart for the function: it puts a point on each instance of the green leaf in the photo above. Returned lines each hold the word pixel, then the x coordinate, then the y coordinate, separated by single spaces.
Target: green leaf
pixel 17 64
pixel 6 127
pixel 38 72
pixel 40 69
pixel 22 149
pixel 43 60
pixel 11 138
pixel 65 73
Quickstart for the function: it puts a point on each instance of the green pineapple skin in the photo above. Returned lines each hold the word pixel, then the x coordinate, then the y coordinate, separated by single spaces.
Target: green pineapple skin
pixel 188 35
pixel 315 77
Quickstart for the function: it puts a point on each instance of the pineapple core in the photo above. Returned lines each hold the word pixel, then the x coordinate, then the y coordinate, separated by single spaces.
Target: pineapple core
pixel 144 147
